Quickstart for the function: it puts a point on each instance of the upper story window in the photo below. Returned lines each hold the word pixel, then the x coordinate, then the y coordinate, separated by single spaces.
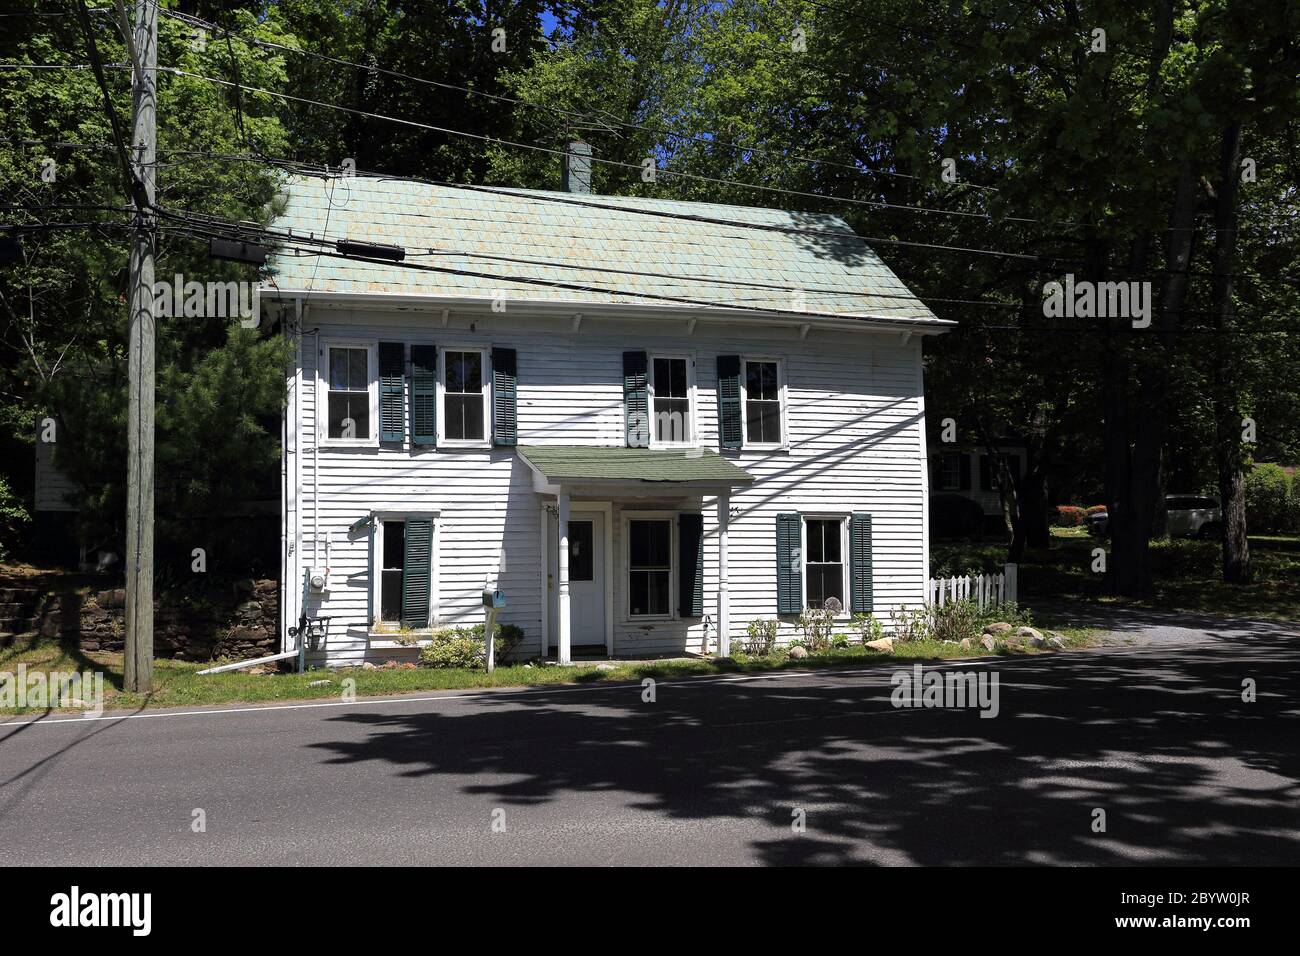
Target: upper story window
pixel 672 386
pixel 763 390
pixel 349 393
pixel 464 396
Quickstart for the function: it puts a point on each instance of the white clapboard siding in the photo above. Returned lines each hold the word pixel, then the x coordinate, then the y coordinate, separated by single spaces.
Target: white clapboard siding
pixel 986 590
pixel 854 416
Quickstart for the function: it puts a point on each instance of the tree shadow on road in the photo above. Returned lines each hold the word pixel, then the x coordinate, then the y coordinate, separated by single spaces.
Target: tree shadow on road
pixel 1185 770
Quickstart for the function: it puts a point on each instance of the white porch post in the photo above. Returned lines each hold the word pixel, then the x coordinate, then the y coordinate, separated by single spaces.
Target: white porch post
pixel 562 607
pixel 724 601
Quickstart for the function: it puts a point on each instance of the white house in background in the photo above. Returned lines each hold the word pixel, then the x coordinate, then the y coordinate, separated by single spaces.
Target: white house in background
pixel 974 474
pixel 647 422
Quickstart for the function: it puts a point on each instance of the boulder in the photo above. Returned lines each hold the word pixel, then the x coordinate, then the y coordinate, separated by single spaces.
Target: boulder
pixel 369 666
pixel 798 653
pixel 1056 644
pixel 990 645
pixel 967 643
pixel 999 627
pixel 1029 632
pixel 884 645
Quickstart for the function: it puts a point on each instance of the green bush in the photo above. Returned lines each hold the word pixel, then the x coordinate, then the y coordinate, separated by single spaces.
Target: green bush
pixel 464 647
pixel 869 629
pixel 911 624
pixel 455 647
pixel 1268 499
pixel 13 519
pixel 954 620
pixel 762 637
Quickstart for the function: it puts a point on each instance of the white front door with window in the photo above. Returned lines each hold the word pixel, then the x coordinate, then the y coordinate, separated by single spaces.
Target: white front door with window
pixel 586 578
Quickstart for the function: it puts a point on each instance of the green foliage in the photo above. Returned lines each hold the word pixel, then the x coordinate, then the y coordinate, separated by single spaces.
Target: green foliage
pixel 954 620
pixel 13 519
pixel 762 637
pixel 1068 516
pixel 816 625
pixel 868 628
pixel 464 646
pixel 911 624
pixel 1269 499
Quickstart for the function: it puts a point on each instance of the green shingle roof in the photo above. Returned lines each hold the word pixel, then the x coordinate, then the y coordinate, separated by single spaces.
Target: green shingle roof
pixel 568 464
pixel 607 253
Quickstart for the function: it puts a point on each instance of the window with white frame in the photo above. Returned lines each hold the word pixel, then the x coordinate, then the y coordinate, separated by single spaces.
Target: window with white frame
pixel 671 385
pixel 392 564
pixel 403 574
pixel 649 567
pixel 464 396
pixel 763 396
pixel 349 397
pixel 824 561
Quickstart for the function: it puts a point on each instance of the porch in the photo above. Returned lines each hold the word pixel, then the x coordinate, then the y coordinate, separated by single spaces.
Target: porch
pixel 622 547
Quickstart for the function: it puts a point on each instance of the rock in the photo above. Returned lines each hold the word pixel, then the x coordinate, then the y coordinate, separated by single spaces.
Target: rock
pixel 319 683
pixel 528 667
pixel 999 627
pixel 606 667
pixel 798 653
pixel 967 643
pixel 369 666
pixel 990 645
pixel 407 666
pixel 1030 633
pixel 1012 645
pixel 885 645
pixel 1056 644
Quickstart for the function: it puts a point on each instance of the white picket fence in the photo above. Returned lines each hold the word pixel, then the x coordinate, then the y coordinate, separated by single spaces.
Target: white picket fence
pixel 986 590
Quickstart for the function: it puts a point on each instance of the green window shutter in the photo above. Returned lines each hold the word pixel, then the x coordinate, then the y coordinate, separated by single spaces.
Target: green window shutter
pixel 424 395
pixel 860 601
pixel 505 414
pixel 729 430
pixel 636 400
pixel 789 564
pixel 690 565
pixel 416 576
pixel 392 391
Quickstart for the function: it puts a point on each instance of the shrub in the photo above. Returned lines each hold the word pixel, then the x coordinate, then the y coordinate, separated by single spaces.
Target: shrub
pixel 1091 510
pixel 453 647
pixel 464 646
pixel 954 620
pixel 816 626
pixel 1068 516
pixel 869 629
pixel 911 623
pixel 762 637
pixel 1011 613
pixel 1268 490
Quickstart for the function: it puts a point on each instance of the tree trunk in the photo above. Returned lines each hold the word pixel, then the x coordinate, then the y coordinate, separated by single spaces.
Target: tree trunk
pixel 1229 454
pixel 1033 509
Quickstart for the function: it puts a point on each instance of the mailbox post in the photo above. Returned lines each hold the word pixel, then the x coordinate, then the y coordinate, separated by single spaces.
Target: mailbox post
pixel 494 600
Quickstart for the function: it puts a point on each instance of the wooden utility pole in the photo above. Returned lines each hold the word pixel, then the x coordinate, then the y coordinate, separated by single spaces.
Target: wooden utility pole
pixel 138 664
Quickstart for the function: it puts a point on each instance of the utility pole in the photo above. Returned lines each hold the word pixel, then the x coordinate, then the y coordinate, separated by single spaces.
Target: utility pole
pixel 138 664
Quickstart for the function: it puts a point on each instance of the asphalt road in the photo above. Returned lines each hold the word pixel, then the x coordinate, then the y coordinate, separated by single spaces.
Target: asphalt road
pixel 714 771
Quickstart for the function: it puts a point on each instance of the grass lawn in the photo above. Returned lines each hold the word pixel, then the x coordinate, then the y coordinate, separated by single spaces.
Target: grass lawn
pixel 1186 574
pixel 178 684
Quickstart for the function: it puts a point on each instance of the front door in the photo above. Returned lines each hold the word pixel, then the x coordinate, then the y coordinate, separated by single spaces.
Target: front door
pixel 586 578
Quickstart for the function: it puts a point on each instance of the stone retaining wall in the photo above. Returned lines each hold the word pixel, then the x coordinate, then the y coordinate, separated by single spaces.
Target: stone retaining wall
pixel 239 620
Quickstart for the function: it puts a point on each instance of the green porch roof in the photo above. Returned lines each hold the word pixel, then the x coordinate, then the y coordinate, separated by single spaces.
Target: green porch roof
pixel 577 464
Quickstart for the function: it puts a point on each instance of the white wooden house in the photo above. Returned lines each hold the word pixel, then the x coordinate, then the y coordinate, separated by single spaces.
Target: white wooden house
pixel 648 422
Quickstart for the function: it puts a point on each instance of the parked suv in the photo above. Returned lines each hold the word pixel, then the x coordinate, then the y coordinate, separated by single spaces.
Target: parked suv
pixel 1188 516
pixel 1193 516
